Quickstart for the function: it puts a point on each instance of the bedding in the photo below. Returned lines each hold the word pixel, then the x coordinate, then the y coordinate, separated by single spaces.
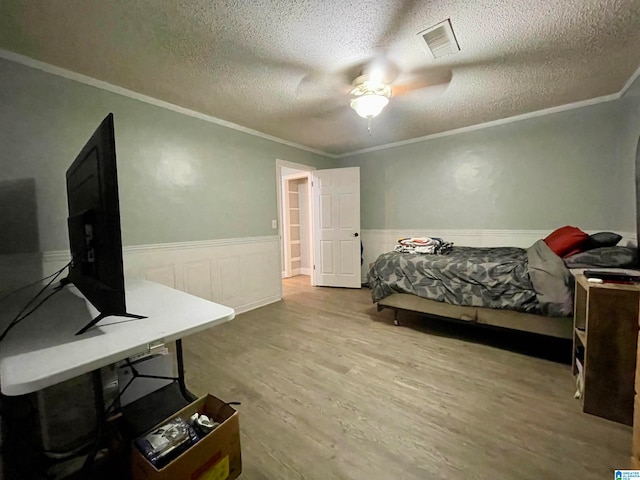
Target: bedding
pixel 480 277
pixel 428 245
pixel 604 257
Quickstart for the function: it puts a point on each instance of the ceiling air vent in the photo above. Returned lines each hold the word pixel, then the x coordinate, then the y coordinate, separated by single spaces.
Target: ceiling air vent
pixel 440 39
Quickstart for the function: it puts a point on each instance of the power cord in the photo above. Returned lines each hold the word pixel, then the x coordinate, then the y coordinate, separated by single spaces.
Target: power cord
pixel 102 417
pixel 24 287
pixel 20 317
pixel 135 374
pixel 18 320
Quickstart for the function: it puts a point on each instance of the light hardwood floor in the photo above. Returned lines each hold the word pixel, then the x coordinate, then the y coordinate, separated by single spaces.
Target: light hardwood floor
pixel 331 389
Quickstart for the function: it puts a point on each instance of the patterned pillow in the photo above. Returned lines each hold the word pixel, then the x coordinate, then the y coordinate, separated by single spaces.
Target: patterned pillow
pixel 608 257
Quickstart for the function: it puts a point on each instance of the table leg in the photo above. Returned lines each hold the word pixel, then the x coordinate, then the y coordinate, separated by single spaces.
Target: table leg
pixel 190 397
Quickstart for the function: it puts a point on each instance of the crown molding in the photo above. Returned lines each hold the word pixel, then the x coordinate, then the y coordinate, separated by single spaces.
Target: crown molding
pixel 93 82
pixel 295 166
pixel 78 77
pixel 493 123
pixel 632 79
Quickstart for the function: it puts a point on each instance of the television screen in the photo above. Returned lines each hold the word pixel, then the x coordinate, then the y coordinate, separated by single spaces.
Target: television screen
pixel 94 225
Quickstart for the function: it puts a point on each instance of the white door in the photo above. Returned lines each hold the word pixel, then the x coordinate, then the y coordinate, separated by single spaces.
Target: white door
pixel 336 227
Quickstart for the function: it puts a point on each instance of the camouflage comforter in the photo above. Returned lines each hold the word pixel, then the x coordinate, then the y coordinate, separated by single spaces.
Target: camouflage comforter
pixel 532 280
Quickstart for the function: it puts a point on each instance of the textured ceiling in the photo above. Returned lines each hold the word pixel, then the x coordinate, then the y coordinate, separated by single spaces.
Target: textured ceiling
pixel 278 66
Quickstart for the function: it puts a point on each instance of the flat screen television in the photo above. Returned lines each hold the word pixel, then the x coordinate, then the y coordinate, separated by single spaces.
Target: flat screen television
pixel 94 225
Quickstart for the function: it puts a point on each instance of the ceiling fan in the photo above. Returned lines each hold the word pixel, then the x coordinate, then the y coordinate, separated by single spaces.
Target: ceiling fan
pixel 373 86
pixel 371 90
pixel 371 83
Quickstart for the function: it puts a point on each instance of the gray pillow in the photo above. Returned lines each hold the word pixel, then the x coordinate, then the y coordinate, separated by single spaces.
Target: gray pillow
pixel 602 239
pixel 611 257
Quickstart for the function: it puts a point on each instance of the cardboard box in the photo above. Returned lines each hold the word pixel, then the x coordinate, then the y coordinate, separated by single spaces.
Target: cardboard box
pixel 215 457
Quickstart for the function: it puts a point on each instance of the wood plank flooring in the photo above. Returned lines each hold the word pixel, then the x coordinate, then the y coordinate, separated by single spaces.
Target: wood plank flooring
pixel 331 389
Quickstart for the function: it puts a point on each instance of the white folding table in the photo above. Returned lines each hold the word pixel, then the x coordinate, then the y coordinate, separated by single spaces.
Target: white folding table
pixel 43 350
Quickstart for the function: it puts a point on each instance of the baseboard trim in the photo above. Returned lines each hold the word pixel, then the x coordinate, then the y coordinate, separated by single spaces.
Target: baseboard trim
pixel 257 304
pixel 297 271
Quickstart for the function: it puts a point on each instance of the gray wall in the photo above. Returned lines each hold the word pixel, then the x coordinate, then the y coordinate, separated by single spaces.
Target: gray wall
pixel 627 144
pixel 183 179
pixel 180 178
pixel 535 174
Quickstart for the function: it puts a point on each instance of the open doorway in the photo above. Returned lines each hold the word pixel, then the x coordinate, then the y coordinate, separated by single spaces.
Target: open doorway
pixel 294 211
pixel 296 229
pixel 326 204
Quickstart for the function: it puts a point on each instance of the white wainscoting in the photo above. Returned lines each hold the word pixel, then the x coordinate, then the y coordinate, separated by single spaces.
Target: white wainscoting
pixel 376 242
pixel 243 273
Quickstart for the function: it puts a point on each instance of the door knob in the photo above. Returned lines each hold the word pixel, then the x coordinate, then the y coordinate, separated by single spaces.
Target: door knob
pixel 355 234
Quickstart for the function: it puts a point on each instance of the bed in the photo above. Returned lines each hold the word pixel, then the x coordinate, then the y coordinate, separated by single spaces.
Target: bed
pixel 528 289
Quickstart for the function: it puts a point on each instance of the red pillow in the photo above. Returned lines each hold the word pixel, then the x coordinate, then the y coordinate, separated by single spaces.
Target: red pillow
pixel 566 240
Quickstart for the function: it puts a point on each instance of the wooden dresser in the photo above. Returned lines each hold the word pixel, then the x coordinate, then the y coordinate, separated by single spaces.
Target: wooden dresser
pixel 605 343
pixel 635 445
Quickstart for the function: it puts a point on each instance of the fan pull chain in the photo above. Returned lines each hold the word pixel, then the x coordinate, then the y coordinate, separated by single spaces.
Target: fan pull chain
pixel 369 125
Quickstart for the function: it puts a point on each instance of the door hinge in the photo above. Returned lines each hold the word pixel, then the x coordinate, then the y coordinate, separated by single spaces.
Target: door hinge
pixel 314 267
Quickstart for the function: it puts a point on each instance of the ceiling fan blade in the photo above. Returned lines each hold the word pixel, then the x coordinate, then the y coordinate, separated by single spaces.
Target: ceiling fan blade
pixel 437 80
pixel 380 68
pixel 321 108
pixel 315 83
pixel 396 24
pixel 329 112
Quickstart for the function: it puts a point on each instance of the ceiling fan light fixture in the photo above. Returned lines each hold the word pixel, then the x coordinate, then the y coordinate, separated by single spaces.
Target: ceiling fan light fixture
pixel 369 105
pixel 369 97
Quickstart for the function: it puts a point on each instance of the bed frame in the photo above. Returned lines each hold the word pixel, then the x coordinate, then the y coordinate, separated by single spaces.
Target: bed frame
pixel 560 327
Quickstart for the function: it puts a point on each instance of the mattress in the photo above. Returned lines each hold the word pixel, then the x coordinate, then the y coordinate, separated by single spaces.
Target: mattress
pixel 532 280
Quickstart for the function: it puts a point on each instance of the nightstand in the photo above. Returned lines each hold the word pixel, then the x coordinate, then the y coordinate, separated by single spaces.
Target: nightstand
pixel 605 338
